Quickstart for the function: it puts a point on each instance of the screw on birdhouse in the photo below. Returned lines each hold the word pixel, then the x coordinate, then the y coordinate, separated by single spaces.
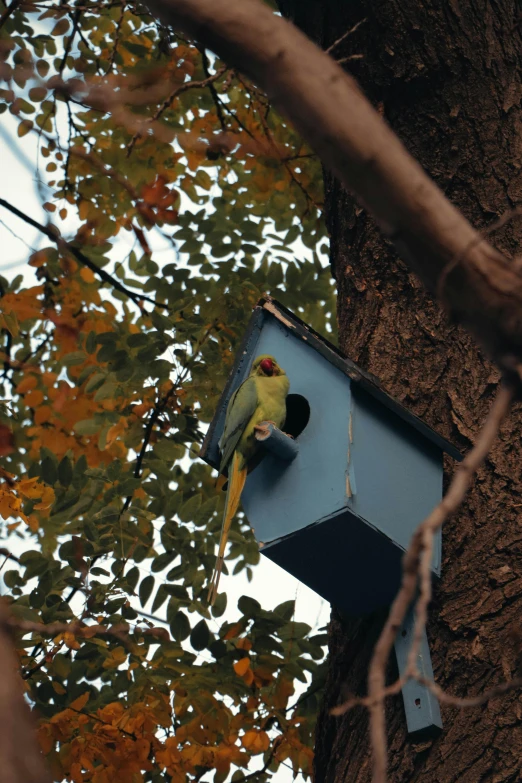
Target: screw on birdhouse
pixel 348 491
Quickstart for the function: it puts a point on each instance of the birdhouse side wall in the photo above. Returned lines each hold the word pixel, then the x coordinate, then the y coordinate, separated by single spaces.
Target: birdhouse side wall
pixel 280 498
pixel 397 472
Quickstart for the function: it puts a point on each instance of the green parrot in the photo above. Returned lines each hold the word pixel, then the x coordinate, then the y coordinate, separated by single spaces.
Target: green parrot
pixel 262 397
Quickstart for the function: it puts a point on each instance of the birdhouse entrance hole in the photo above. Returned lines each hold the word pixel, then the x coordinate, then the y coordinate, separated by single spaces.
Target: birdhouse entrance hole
pixel 297 415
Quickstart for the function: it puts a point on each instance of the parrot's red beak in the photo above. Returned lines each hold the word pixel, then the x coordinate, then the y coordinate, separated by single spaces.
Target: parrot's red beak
pixel 267 365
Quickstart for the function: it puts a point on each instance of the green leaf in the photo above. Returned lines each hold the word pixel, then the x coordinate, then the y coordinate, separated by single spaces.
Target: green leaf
pixel 162 561
pixel 167 450
pixel 160 598
pixel 65 471
pixel 200 636
pixel 95 381
pixel 188 510
pixel 146 587
pixel 90 342
pixel 87 427
pixel 285 610
pixel 76 357
pixel 220 605
pixel 132 577
pixel 48 471
pixel 107 391
pixel 61 666
pixel 248 606
pixel 180 627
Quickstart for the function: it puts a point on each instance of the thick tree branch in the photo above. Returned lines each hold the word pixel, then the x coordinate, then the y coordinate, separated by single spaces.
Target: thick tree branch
pixel 483 289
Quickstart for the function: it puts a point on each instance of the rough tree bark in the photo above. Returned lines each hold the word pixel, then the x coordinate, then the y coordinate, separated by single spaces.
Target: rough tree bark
pixel 446 75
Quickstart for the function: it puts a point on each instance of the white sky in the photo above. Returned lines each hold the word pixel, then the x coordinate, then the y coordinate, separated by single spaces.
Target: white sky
pixel 270 584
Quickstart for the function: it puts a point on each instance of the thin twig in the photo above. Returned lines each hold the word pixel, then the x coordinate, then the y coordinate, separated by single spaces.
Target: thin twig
pixel 116 39
pixel 344 36
pixel 168 100
pixel 76 21
pixel 82 258
pixel 212 89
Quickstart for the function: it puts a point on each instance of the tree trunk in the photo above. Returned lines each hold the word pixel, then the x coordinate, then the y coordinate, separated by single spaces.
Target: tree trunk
pixel 446 77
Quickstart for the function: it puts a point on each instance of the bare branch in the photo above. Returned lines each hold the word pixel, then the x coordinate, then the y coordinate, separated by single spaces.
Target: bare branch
pixel 65 247
pixel 344 36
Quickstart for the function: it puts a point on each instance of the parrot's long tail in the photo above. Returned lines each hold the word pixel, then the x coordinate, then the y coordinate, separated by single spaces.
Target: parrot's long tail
pixel 236 481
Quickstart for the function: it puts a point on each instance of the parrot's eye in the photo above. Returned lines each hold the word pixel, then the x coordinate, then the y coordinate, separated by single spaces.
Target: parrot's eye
pixel 267 365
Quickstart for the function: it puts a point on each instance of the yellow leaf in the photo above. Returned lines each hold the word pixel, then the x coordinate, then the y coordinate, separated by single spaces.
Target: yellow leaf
pixel 58 687
pixel 46 499
pixel 116 658
pixel 70 641
pixel 30 488
pixel 9 504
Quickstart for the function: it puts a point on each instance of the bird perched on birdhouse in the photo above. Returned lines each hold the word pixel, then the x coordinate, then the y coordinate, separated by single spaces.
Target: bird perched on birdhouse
pixel 260 398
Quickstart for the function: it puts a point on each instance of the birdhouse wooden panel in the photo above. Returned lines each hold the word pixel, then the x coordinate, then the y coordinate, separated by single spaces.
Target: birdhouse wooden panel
pixel 340 515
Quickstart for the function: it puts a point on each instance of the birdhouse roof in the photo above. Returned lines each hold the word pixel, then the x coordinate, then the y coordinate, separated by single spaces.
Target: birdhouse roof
pixel 267 307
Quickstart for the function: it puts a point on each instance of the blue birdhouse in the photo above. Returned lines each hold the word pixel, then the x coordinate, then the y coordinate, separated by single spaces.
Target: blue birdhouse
pixel 348 489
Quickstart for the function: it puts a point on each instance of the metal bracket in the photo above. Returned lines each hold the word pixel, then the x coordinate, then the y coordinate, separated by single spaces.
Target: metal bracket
pixel 420 705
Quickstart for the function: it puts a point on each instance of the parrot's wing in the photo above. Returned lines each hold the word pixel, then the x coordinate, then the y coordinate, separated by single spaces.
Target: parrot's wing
pixel 241 408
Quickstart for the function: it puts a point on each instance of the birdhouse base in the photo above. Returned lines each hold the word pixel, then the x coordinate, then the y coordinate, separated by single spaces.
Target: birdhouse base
pixel 335 557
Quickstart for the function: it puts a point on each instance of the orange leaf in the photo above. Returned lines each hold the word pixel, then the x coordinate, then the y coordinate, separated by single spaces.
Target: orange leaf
pixel 233 631
pixel 142 747
pixel 241 666
pixel 38 259
pixel 87 275
pixel 34 398
pixel 26 384
pixel 80 702
pixel 6 441
pixel 256 741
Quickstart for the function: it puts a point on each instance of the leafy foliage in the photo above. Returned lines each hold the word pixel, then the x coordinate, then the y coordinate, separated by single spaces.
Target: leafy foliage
pixel 111 365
